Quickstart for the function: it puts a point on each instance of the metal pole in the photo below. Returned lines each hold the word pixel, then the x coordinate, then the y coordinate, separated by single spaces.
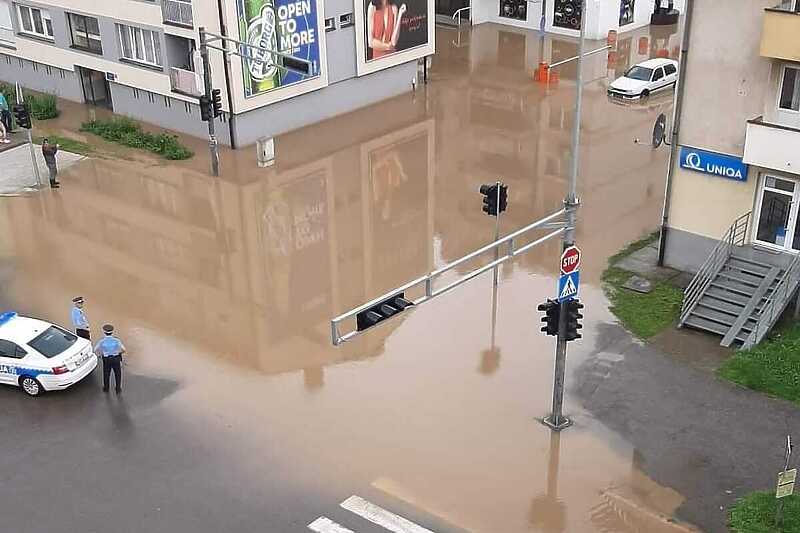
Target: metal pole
pixel 21 100
pixel 226 64
pixel 676 126
pixel 497 231
pixel 779 512
pixel 557 421
pixel 213 147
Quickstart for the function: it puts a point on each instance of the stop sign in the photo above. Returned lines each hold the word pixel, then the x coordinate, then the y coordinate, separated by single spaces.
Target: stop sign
pixel 570 260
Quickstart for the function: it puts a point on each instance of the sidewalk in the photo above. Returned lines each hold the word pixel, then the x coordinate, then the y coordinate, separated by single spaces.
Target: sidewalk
pixel 16 173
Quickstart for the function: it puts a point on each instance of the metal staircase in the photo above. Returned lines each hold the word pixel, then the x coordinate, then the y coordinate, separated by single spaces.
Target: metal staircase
pixel 740 293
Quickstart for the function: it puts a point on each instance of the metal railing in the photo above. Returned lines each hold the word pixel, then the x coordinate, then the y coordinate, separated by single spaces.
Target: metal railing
pixel 789 6
pixel 775 304
pixel 185 81
pixel 427 280
pixel 177 12
pixel 735 236
pixel 457 14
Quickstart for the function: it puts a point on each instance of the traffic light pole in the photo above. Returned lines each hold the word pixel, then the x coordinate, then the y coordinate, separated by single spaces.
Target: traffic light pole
pixel 497 233
pixel 213 145
pixel 21 100
pixel 556 420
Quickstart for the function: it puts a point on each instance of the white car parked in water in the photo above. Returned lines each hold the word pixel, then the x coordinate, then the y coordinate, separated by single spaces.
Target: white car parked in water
pixel 38 356
pixel 642 80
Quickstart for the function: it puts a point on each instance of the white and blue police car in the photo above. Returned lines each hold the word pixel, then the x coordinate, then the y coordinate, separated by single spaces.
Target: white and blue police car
pixel 38 356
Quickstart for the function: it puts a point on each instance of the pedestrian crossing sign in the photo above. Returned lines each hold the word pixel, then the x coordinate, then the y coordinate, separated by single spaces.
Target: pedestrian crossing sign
pixel 568 286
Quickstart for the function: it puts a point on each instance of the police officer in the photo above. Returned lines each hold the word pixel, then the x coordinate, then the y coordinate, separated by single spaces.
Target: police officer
pixel 79 321
pixel 111 350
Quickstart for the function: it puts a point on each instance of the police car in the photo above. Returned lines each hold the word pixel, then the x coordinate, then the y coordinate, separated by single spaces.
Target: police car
pixel 39 356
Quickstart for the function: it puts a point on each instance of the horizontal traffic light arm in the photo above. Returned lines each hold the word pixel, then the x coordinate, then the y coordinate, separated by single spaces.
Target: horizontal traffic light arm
pixel 297 65
pixel 505 247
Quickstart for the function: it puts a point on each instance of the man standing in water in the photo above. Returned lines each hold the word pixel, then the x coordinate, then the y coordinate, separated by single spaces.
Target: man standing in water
pixel 79 321
pixel 49 152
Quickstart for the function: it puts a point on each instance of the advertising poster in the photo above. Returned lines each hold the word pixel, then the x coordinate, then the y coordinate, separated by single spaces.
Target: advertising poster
pixel 286 26
pixel 393 32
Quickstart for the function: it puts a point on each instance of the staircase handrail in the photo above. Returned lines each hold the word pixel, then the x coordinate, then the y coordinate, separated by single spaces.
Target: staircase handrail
pixel 735 236
pixel 775 303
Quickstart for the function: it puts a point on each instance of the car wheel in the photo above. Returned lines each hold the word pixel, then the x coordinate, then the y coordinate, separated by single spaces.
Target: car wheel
pixel 645 94
pixel 30 386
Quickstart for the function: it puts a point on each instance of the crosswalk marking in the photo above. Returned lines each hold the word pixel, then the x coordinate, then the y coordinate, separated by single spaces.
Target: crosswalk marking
pixel 326 525
pixel 380 516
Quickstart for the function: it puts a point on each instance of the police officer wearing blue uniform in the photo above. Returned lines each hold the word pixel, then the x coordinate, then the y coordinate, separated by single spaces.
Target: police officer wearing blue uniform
pixel 79 321
pixel 111 350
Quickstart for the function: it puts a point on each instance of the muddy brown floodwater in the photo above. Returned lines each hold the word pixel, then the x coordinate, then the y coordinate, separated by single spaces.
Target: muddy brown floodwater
pixel 226 286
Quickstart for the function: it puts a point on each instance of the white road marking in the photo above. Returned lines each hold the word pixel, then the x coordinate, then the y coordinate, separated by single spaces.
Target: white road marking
pixel 326 525
pixel 382 517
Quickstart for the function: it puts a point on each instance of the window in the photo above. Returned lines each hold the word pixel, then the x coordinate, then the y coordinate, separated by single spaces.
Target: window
pixel 140 45
pixel 659 73
pixel 9 349
pixel 85 33
pixel 53 341
pixel 639 73
pixel 790 89
pixel 670 69
pixel 35 21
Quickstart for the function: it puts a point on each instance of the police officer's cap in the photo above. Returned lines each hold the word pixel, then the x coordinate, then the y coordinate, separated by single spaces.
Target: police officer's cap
pixel 108 329
pixel 78 300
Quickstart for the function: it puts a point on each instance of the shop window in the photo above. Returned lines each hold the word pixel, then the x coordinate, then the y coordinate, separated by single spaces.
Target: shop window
pixel 346 20
pixel 85 33
pixel 330 24
pixel 790 89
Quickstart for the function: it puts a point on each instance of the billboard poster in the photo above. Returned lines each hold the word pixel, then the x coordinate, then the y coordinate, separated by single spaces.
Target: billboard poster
pixel 392 32
pixel 287 26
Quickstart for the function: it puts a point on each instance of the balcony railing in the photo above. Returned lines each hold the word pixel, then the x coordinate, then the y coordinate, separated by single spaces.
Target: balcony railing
pixel 185 81
pixel 778 35
pixel 177 12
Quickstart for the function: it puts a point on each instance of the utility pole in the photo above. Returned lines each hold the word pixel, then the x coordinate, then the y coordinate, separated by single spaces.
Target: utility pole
pixel 213 145
pixel 556 420
pixel 21 101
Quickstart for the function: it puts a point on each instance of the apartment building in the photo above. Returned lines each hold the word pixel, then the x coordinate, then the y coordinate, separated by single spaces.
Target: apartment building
pixel 140 58
pixel 732 210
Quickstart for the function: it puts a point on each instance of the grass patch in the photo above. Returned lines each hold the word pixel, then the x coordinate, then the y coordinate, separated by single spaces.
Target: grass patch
pixel 67 144
pixel 128 132
pixel 42 106
pixel 772 367
pixel 644 315
pixel 755 513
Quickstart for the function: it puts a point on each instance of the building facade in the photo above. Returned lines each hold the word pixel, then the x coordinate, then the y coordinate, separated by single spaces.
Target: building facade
pixel 739 131
pixel 140 58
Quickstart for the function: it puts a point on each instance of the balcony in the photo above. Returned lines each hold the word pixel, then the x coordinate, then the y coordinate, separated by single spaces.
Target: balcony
pixel 7 37
pixel 185 81
pixel 772 146
pixel 779 34
pixel 177 12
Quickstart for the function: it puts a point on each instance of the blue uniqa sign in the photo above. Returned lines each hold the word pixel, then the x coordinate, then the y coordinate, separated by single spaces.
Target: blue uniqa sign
pixel 726 166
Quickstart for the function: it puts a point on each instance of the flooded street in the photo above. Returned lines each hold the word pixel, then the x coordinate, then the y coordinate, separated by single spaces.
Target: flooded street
pixel 239 415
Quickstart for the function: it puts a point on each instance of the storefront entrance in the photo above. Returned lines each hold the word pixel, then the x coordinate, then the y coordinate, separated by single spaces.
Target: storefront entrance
pixel 445 9
pixel 777 209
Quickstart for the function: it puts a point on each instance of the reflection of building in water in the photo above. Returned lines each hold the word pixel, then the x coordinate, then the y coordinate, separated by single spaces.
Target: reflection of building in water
pixel 253 271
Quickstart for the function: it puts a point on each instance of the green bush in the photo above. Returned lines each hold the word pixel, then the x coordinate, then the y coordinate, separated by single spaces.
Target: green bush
pixel 42 106
pixel 128 132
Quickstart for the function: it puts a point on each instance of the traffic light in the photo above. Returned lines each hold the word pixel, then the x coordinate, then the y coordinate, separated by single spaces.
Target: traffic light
pixel 489 193
pixel 503 197
pixel 22 115
pixel 573 316
pixel 216 100
pixel 552 311
pixel 205 108
pixel 381 311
